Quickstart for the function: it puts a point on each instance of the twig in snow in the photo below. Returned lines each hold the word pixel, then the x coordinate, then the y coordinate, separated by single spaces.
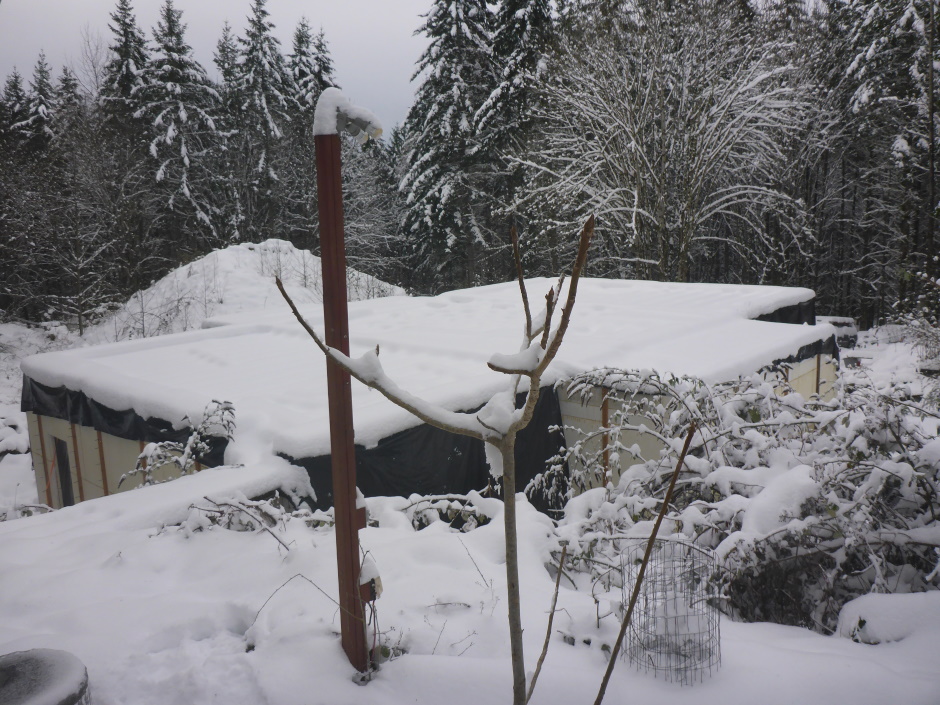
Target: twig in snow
pixel 551 618
pixel 440 634
pixel 485 581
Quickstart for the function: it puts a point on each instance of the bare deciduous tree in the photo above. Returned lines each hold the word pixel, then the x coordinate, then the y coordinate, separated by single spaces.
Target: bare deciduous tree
pixel 669 126
pixel 499 421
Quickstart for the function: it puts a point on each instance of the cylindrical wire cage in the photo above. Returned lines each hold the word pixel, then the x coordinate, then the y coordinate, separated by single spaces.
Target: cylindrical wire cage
pixel 674 632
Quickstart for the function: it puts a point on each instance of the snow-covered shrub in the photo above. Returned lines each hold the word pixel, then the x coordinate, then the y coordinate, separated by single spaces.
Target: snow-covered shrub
pixel 460 511
pixel 807 503
pixel 922 326
pixel 218 421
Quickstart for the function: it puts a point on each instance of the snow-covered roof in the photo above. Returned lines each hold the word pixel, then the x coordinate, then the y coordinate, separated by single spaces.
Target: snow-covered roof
pixel 435 347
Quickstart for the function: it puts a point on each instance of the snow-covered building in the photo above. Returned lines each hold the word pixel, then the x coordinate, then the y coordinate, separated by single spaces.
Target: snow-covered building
pixel 91 410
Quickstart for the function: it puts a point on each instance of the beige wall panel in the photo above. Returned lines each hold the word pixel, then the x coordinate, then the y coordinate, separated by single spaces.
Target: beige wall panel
pixel 587 418
pixel 120 456
pixel 91 463
pixel 828 376
pixel 35 452
pixel 57 428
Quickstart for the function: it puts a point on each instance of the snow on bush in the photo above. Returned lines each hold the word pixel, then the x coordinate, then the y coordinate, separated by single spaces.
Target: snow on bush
pixel 807 503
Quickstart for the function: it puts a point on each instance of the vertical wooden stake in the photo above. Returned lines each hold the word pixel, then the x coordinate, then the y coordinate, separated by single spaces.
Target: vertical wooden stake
pixel 342 452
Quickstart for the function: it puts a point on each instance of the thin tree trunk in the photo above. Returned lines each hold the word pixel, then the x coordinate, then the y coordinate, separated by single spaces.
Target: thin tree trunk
pixel 507 451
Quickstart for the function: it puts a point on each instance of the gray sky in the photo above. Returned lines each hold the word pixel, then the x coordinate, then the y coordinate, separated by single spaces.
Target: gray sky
pixel 371 41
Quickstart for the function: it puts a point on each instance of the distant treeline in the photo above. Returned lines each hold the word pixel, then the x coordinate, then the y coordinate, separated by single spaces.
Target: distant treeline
pixel 716 140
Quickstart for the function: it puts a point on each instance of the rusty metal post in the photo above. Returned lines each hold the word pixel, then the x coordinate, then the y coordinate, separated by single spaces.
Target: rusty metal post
pixel 342 452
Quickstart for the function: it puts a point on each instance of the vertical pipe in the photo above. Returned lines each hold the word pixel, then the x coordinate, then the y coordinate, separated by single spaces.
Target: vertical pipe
pixel 342 452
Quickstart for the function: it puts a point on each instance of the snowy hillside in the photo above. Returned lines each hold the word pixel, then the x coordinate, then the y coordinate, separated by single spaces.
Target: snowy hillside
pixel 238 278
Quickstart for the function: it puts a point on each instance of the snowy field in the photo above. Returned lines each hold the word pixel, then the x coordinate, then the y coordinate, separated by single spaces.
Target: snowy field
pixel 165 607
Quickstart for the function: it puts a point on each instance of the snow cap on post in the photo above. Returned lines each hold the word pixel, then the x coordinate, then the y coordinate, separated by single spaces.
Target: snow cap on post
pixel 335 113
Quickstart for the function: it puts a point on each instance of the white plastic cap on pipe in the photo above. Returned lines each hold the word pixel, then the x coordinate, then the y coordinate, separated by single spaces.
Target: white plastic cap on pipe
pixel 335 113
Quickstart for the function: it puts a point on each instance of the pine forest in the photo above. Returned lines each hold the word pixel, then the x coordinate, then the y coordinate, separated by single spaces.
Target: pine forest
pixel 714 140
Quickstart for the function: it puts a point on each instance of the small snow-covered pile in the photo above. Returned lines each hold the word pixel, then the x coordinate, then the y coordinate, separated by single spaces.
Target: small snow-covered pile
pixel 881 618
pixel 228 281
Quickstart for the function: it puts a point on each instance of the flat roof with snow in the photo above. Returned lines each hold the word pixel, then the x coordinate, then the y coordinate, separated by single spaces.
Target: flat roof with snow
pixel 435 347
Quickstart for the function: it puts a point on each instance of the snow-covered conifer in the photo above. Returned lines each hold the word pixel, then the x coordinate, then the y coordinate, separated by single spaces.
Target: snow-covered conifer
pixel 14 107
pixel 123 71
pixel 310 65
pixel 519 45
pixel 262 81
pixel 442 219
pixel 36 127
pixel 262 101
pixel 177 103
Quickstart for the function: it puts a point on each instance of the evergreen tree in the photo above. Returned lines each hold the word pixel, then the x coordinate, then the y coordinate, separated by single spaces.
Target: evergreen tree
pixel 15 107
pixel 37 124
pixel 306 66
pixel 310 65
pixel 178 102
pixel 895 87
pixel 67 93
pixel 442 219
pixel 226 61
pixel 123 71
pixel 519 46
pixel 263 102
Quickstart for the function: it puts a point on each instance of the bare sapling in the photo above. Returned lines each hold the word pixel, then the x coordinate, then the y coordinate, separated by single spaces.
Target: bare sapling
pixel 646 559
pixel 499 421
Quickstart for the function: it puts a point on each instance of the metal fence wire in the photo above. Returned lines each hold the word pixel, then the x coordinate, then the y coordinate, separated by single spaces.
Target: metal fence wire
pixel 674 632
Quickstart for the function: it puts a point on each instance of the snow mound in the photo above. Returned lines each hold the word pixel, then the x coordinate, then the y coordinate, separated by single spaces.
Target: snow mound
pixel 878 618
pixel 228 281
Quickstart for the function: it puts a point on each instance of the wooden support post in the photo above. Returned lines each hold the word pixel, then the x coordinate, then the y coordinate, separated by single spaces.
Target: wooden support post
pixel 342 452
pixel 104 469
pixel 818 365
pixel 78 464
pixel 605 422
pixel 46 471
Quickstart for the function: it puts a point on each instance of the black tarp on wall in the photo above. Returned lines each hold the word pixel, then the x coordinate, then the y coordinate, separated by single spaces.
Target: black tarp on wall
pixel 423 460
pixel 426 460
pixel 76 407
pixel 803 312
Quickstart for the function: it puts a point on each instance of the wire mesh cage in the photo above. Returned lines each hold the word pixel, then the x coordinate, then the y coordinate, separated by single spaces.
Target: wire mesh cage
pixel 674 632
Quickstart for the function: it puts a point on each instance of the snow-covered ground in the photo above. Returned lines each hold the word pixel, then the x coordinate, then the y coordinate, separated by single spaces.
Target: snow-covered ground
pixel 164 607
pixel 170 615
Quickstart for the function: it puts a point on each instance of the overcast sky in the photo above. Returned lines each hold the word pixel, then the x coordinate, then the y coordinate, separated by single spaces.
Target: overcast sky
pixel 372 43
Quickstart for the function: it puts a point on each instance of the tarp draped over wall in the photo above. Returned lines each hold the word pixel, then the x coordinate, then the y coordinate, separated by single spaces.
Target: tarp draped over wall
pixel 803 312
pixel 428 461
pixel 423 460
pixel 820 347
pixel 76 407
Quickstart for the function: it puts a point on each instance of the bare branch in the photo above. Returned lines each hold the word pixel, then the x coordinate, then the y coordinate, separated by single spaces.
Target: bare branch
pixel 550 302
pixel 514 236
pixel 551 618
pixel 535 377
pixel 427 412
